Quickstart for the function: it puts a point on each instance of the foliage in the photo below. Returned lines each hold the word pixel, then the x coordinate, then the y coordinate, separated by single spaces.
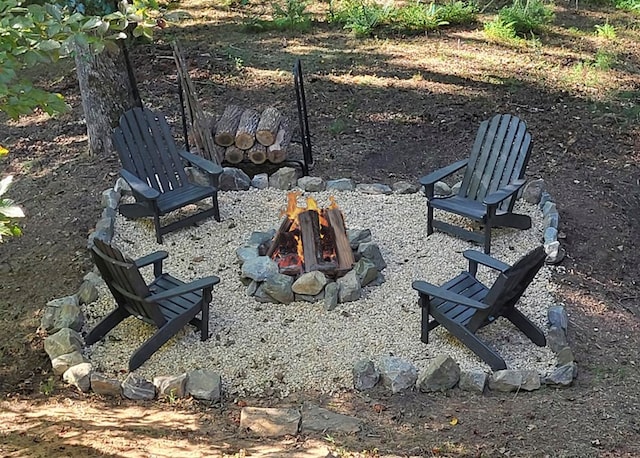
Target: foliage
pixel 362 17
pixel 419 17
pixel 459 12
pixel 9 212
pixel 292 15
pixel 33 34
pixel 606 30
pixel 500 30
pixel 604 60
pixel 526 17
pixel 629 5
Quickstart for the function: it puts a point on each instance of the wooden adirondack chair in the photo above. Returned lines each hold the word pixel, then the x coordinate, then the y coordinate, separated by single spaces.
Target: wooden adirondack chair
pixel 463 305
pixel 167 303
pixel 154 168
pixel 493 176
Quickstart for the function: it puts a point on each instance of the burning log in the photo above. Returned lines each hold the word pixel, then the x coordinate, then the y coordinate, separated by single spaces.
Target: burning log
pixel 247 126
pixel 228 125
pixel 310 234
pixel 285 225
pixel 268 126
pixel 343 247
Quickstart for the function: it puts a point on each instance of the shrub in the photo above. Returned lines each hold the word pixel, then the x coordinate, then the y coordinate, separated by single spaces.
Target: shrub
pixel 527 17
pixel 362 17
pixel 606 31
pixel 629 5
pixel 418 17
pixel 500 30
pixel 458 12
pixel 291 15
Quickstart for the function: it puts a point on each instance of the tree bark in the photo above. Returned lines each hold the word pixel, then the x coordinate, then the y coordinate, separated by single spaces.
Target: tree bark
pixel 268 126
pixel 246 133
pixel 227 125
pixel 257 153
pixel 108 90
pixel 277 152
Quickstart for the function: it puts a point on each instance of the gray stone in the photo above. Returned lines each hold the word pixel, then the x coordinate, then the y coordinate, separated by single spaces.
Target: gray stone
pixel 260 268
pixel 358 236
pixel 550 235
pixel 233 179
pixel 555 253
pixel 270 422
pixel 205 385
pixel 331 296
pixel 101 384
pixel 565 356
pixel 378 281
pixel 440 375
pixel 556 339
pixel 514 380
pixel 549 207
pixel 440 188
pixel 64 362
pixel 278 286
pixel 105 226
pixel 473 381
pixel 349 288
pixel 557 316
pixel 197 176
pixel 310 283
pixel 365 375
pixel 533 191
pixel 109 213
pixel 311 184
pixel 246 252
pixel 341 184
pixel 110 198
pixel 397 374
pixel 87 293
pixel 455 189
pixel 307 298
pixel 544 198
pixel 252 288
pixel 79 376
pixel 372 252
pixel 122 186
pixel 404 187
pixel 284 178
pixel 64 341
pixel 374 188
pixel 317 419
pixel 171 385
pixel 551 220
pixel 366 271
pixel 138 389
pixel 94 278
pixel 562 376
pixel 260 295
pixel 260 181
pixel 62 313
pixel 258 238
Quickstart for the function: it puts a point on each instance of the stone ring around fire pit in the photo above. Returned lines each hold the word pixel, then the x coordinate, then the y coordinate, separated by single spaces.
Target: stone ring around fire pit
pixel 311 257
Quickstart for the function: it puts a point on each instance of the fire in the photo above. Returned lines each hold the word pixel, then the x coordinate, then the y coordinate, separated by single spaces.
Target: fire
pixel 288 250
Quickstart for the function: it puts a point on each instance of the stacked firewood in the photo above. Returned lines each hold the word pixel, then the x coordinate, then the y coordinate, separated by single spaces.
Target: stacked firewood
pixel 248 134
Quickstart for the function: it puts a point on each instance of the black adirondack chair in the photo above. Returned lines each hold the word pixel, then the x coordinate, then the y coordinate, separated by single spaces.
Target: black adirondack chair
pixel 463 305
pixel 167 303
pixel 493 176
pixel 154 168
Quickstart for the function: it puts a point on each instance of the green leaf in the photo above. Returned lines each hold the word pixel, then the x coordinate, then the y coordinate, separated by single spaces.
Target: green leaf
pixel 5 183
pixel 92 23
pixel 54 11
pixel 48 45
pixel 12 211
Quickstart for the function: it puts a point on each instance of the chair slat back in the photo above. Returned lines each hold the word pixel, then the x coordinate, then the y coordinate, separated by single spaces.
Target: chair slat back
pixel 499 156
pixel 125 282
pixel 147 149
pixel 512 283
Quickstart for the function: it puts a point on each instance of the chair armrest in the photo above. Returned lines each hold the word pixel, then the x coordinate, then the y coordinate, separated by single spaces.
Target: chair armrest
pixel 432 290
pixel 153 258
pixel 443 172
pixel 195 285
pixel 202 163
pixel 138 186
pixel 478 257
pixel 503 193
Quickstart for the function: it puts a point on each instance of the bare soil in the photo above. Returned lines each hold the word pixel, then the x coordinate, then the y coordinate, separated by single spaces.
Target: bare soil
pixel 381 110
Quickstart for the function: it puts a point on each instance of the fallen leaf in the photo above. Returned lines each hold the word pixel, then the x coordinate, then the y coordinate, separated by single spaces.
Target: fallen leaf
pixel 377 408
pixel 453 421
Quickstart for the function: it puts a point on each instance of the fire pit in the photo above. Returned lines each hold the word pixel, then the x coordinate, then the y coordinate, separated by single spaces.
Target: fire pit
pixel 310 257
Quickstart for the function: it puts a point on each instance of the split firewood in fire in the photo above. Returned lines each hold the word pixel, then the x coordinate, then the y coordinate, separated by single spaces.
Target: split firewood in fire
pixel 268 126
pixel 228 125
pixel 247 126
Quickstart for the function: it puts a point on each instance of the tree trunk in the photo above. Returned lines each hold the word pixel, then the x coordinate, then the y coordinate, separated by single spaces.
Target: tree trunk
pixel 108 90
pixel 268 126
pixel 246 133
pixel 277 152
pixel 227 125
pixel 257 153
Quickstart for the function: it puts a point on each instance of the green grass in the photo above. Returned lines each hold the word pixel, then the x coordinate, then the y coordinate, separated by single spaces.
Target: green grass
pixel 606 31
pixel 500 31
pixel 527 16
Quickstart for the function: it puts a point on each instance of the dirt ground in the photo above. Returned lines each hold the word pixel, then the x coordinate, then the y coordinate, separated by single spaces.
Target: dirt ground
pixel 381 110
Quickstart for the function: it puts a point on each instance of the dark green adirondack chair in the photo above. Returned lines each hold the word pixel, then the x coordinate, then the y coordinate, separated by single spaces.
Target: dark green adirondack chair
pixel 167 302
pixel 493 176
pixel 463 305
pixel 154 168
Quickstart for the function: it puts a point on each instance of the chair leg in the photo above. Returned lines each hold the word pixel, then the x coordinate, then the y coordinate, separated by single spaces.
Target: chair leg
pixel 529 329
pixel 156 223
pixel 487 238
pixel 429 219
pixel 424 325
pixel 105 325
pixel 204 325
pixel 486 353
pixel 152 345
pixel 216 208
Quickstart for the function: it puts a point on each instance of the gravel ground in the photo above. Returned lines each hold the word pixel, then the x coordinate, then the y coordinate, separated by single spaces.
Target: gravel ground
pixel 275 349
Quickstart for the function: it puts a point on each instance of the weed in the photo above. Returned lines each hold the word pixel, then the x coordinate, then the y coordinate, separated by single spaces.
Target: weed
pixel 48 387
pixel 500 30
pixel 458 12
pixel 527 17
pixel 418 17
pixel 362 17
pixel 171 397
pixel 606 30
pixel 629 5
pixel 604 60
pixel 291 15
pixel 338 126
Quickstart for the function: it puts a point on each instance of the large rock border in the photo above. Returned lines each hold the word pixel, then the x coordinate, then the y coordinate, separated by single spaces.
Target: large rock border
pixel 63 319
